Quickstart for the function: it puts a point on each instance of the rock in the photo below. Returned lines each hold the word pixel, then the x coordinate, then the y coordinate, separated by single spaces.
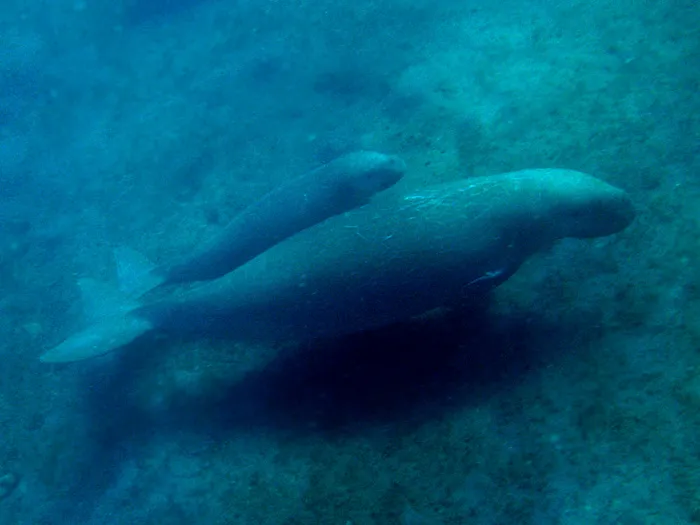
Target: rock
pixel 8 484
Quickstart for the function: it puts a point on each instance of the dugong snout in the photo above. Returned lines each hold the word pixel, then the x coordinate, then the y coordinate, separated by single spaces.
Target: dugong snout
pixel 611 213
pixel 585 206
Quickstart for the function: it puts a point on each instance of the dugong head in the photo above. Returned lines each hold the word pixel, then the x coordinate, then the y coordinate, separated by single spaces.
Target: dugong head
pixel 583 206
pixel 364 173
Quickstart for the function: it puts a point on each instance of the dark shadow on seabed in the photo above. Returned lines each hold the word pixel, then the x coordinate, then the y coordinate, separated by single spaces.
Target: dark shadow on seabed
pixel 410 371
pixel 407 374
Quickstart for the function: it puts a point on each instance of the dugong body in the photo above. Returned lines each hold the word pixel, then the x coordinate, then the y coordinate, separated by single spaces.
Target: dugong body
pixel 343 184
pixel 398 257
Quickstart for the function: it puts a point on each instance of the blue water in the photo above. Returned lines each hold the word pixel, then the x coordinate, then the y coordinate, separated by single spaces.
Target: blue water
pixel 569 397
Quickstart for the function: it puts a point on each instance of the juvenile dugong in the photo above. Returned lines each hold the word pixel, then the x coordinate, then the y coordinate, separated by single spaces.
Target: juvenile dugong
pixel 398 257
pixel 339 186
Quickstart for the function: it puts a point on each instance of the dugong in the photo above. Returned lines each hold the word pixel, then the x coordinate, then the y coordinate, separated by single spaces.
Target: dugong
pixel 341 185
pixel 400 256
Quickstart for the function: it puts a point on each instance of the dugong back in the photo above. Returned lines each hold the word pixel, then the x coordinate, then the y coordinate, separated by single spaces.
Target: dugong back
pixel 400 256
pixel 337 187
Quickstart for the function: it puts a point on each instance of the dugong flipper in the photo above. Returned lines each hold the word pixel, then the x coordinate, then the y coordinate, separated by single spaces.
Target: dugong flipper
pixel 396 258
pixel 343 184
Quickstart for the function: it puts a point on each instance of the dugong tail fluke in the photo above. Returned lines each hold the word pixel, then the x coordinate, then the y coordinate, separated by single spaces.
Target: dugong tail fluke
pixel 107 311
pixel 135 272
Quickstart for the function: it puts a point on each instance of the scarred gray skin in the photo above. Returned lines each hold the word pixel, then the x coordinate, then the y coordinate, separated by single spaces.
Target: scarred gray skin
pixel 396 258
pixel 343 184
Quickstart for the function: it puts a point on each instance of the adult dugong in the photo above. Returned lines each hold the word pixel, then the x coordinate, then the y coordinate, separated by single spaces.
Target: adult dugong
pixel 398 257
pixel 348 182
